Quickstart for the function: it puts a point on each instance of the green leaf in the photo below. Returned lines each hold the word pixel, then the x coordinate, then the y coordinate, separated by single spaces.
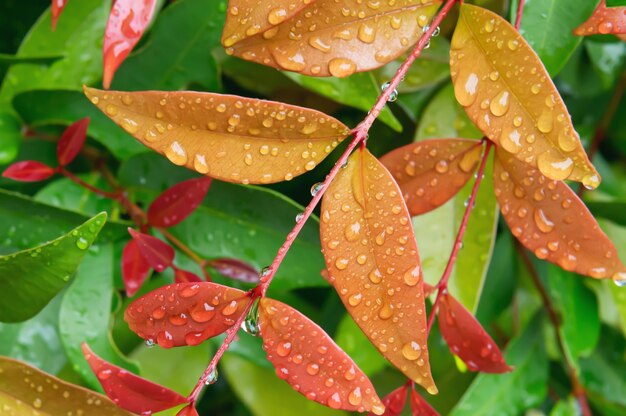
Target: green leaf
pixel 610 210
pixel 615 3
pixel 511 393
pixel 617 235
pixel 267 395
pixel 65 193
pixel 8 60
pixel 178 51
pixel 10 137
pixel 436 230
pixel 359 91
pixel 41 108
pixel 608 60
pixel 85 314
pixel 548 24
pixel 29 279
pixel 352 340
pixel 568 407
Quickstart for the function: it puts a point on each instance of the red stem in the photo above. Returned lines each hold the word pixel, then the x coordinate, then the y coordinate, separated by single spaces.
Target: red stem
pixel 442 286
pixel 518 17
pixel 79 181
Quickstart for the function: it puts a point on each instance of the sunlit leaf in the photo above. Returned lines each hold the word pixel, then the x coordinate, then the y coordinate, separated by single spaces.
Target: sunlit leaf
pixel 28 171
pixel 129 391
pixel 466 338
pixel 372 259
pixel 185 313
pixel 127 22
pixel 51 396
pixel 72 141
pixel 549 219
pixel 420 407
pixel 431 172
pixel 176 203
pixel 156 252
pixel 508 94
pixel 227 137
pixel 135 268
pixel 57 8
pixel 308 359
pixel 604 20
pixel 395 401
pixel 235 269
pixel 324 38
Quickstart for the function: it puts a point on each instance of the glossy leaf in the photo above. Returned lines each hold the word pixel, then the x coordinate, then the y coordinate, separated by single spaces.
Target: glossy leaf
pixel 28 171
pixel 188 411
pixel 310 361
pixel 135 268
pixel 235 269
pixel 185 313
pixel 71 141
pixel 549 219
pixel 29 279
pixel 57 8
pixel 372 259
pixel 395 401
pixel 321 39
pixel 127 22
pixel 270 133
pixel 176 203
pixel 431 172
pixel 155 251
pixel 420 407
pixel 50 396
pixel 466 338
pixel 184 276
pixel 604 20
pixel 508 94
pixel 129 391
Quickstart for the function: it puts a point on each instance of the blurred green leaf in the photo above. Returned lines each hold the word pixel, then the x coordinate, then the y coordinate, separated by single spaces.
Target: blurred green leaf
pixel 567 407
pixel 617 235
pixel 352 340
pixel 608 60
pixel 8 60
pixel 610 210
pixel 65 193
pixel 29 279
pixel 10 137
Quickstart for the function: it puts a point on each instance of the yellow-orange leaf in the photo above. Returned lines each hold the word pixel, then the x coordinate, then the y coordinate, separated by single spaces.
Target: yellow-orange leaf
pixel 310 361
pixel 325 37
pixel 26 390
pixel 549 219
pixel 604 20
pixel 231 138
pixel 508 94
pixel 373 263
pixel 433 171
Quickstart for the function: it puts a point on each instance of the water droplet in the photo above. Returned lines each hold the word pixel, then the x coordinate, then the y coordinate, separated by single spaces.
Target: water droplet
pixel 355 397
pixel 545 121
pixel 341 67
pixel 394 94
pixel 412 276
pixel 411 350
pixel 465 89
pixel 264 273
pixel 149 343
pixel 82 243
pixel 312 369
pixel 334 401
pixel 500 104
pixel 437 31
pixel 355 299
pixel 299 217
pixel 283 349
pixel 591 181
pixel 555 166
pixel 212 377
pixel 316 188
pixel 176 153
pixel 375 276
pixel 619 279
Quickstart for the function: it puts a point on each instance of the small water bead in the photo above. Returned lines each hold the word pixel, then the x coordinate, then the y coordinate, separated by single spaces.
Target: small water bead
pixel 150 343
pixel 212 377
pixel 620 281
pixel 251 323
pixel 299 217
pixel 394 94
pixel 264 273
pixel 316 188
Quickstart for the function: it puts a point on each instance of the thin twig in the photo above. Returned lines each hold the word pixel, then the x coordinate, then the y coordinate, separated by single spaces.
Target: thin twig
pixel 518 16
pixel 88 186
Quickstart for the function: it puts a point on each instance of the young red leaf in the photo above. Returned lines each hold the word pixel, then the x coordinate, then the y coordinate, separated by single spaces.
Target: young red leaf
pixel 310 361
pixel 178 202
pixel 71 141
pixel 28 171
pixel 420 407
pixel 185 313
pixel 184 276
pixel 604 20
pixel 431 172
pixel 188 411
pixel 550 220
pixel 127 22
pixel 467 338
pixel 235 269
pixel 135 268
pixel 157 253
pixel 395 401
pixel 129 391
pixel 57 8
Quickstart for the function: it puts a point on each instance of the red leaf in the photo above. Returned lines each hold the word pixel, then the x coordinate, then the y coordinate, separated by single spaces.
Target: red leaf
pixel 395 401
pixel 135 268
pixel 185 313
pixel 310 361
pixel 72 141
pixel 28 171
pixel 57 8
pixel 467 338
pixel 127 22
pixel 178 202
pixel 235 269
pixel 184 276
pixel 129 391
pixel 604 20
pixel 420 407
pixel 188 411
pixel 157 253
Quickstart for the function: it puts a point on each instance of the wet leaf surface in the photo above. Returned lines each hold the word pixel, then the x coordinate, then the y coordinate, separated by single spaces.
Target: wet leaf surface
pixel 72 141
pixel 177 202
pixel 604 20
pixel 155 251
pixel 135 268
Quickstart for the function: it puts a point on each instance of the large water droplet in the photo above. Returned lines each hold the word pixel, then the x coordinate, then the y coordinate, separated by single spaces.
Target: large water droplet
pixel 316 188
pixel 251 323
pixel 553 165
pixel 212 377
pixel 465 89
pixel 341 67
pixel 82 243
pixel 394 94
pixel 411 350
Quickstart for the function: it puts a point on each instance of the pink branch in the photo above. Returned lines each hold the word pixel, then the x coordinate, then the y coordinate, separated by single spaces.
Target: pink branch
pixel 518 17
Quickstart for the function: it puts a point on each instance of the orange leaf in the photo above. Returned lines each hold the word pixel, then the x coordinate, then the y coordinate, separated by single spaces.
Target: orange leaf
pixel 604 20
pixel 231 138
pixel 433 171
pixel 508 94
pixel 185 313
pixel 466 338
pixel 308 359
pixel 324 37
pixel 372 259
pixel 549 219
